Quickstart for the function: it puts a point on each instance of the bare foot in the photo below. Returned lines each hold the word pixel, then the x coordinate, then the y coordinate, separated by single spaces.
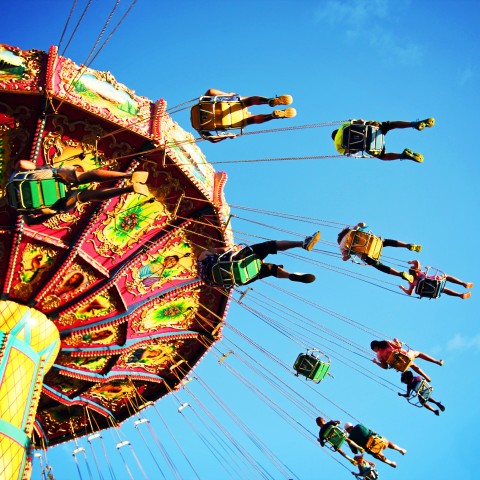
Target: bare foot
pixel 466 295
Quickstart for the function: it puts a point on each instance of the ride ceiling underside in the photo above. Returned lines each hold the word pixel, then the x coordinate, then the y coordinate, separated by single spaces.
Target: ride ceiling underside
pixel 117 278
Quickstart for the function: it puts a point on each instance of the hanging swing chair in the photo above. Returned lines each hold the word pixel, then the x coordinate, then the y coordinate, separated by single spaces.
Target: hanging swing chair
pixel 214 115
pixel 399 361
pixel 431 285
pixel 27 194
pixel 231 271
pixel 335 437
pixel 359 243
pixel 420 394
pixel 358 138
pixel 375 444
pixel 313 365
pixel 367 473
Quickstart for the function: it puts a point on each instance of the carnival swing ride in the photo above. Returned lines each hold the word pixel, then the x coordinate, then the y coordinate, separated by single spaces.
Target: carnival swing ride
pixel 102 309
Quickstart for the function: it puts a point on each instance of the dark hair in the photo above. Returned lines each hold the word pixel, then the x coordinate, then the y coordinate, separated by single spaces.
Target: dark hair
pixel 379 344
pixel 334 134
pixel 342 234
pixel 406 376
pixel 320 421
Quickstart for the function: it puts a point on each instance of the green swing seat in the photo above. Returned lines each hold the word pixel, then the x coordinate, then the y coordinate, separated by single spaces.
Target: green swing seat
pixel 28 194
pixel 335 436
pixel 230 272
pixel 311 366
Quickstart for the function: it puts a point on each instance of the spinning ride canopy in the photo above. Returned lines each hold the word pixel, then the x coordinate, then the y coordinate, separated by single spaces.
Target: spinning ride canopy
pixel 117 278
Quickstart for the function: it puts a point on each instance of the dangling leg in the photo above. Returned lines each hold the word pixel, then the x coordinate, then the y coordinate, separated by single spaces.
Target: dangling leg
pixel 418 125
pixel 387 157
pixel 255 100
pixel 389 270
pixel 438 404
pixel 100 175
pixel 294 277
pixel 283 245
pixel 398 244
pixel 429 407
pixel 453 293
pixel 101 195
pixel 344 455
pixel 451 279
pixel 306 244
pixel 428 358
pixel 418 370
pixel 262 118
pixel 384 459
pixel 397 448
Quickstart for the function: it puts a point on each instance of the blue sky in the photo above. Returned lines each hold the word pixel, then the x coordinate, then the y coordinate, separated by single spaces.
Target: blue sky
pixel 382 60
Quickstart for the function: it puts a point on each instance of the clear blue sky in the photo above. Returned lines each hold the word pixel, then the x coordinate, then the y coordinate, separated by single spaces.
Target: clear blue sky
pixel 352 59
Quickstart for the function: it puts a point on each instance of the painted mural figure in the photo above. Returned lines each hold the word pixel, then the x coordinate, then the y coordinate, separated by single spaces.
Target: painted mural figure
pixel 359 135
pixel 161 268
pixel 58 188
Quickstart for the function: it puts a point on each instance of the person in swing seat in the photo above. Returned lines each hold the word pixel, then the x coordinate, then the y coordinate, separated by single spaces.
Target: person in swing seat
pixel 208 258
pixel 249 118
pixel 384 128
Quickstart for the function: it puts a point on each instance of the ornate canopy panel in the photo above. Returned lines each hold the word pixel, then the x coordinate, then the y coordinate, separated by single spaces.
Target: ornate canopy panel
pixel 118 278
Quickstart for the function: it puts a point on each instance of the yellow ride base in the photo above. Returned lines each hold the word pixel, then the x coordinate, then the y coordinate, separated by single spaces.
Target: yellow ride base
pixel 375 444
pixel 399 361
pixel 206 116
pixel 363 243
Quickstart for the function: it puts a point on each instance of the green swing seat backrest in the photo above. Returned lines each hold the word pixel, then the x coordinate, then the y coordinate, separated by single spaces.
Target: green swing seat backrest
pixel 335 436
pixel 311 367
pixel 228 273
pixel 26 194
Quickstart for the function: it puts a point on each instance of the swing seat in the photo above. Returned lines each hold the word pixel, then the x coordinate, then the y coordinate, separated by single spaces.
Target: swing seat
pixel 399 361
pixel 218 114
pixel 28 194
pixel 375 444
pixel 420 394
pixel 430 287
pixel 368 473
pixel 363 243
pixel 363 138
pixel 229 272
pixel 311 367
pixel 335 437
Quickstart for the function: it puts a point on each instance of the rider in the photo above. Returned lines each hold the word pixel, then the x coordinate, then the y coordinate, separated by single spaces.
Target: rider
pixel 412 383
pixel 360 435
pixel 417 274
pixel 366 469
pixel 208 258
pixel 325 428
pixel 73 176
pixel 247 102
pixel 384 348
pixel 362 226
pixel 385 127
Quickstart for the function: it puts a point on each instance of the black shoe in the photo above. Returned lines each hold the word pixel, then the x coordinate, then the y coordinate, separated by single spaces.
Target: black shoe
pixel 302 277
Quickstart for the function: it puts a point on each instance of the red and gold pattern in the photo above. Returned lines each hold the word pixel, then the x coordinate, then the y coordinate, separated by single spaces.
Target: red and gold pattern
pixel 118 278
